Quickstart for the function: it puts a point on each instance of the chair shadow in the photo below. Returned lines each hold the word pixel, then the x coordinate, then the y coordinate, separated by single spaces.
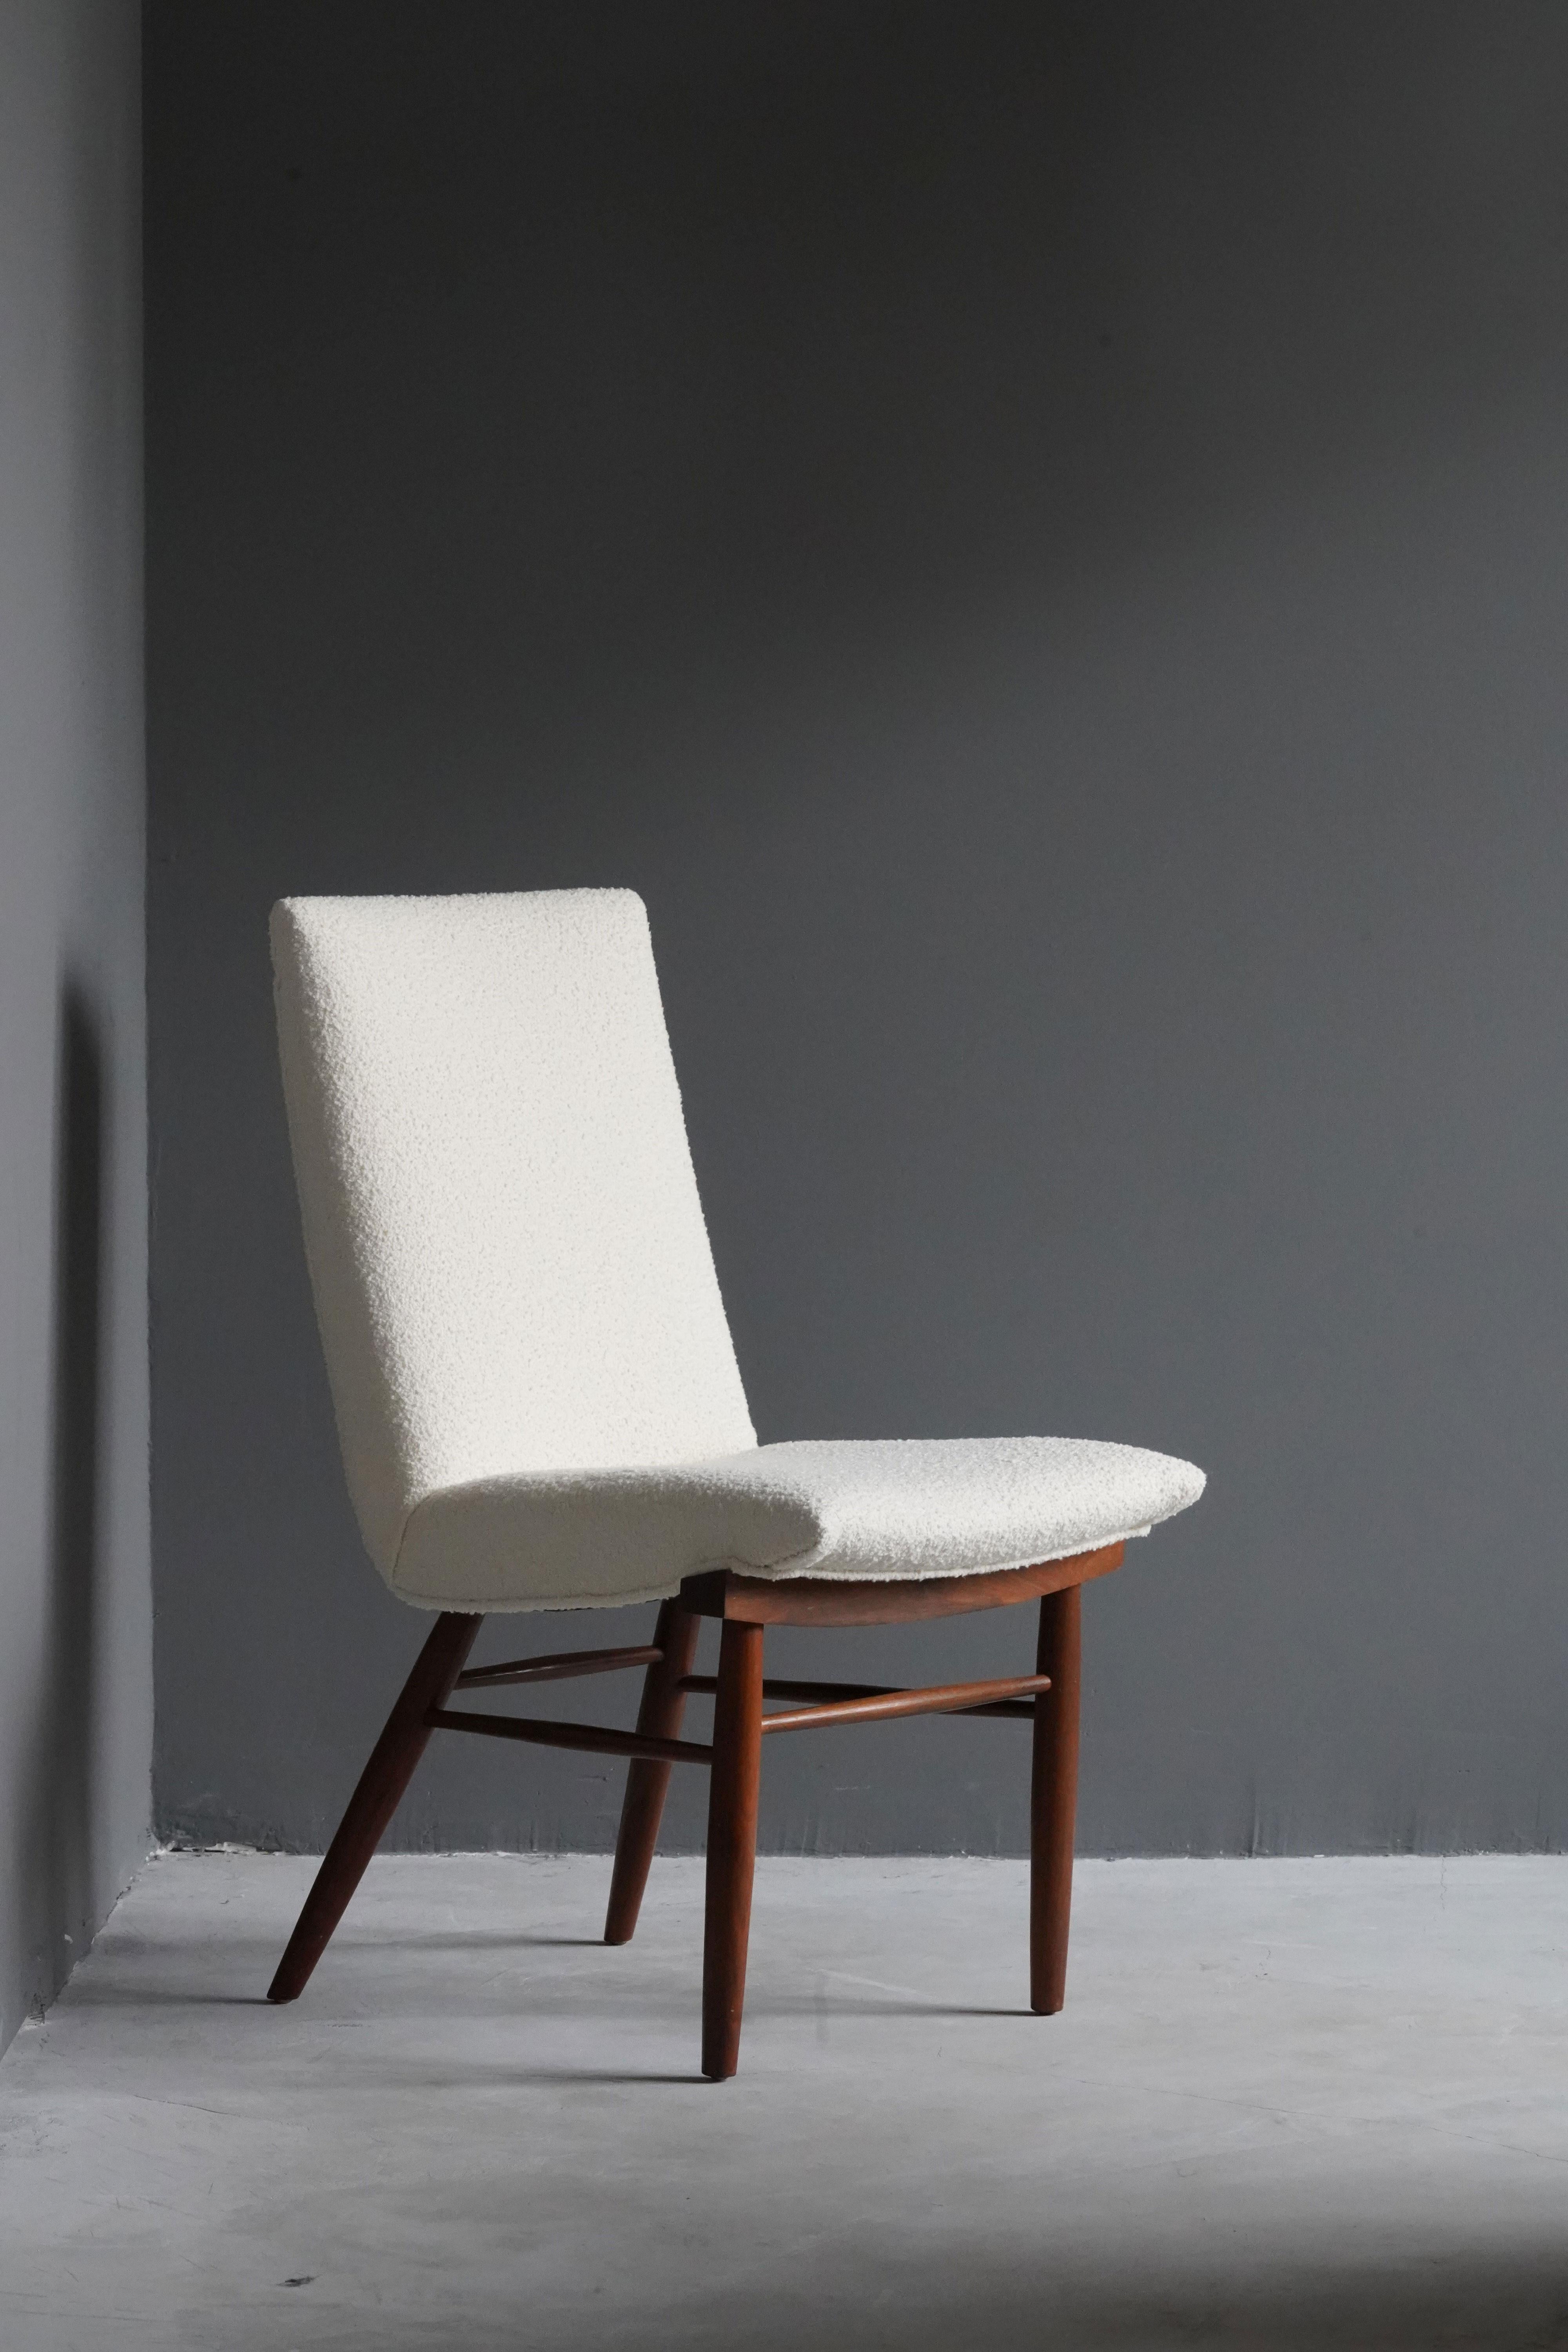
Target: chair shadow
pixel 882 2008
pixel 123 1996
pixel 456 1940
pixel 536 2077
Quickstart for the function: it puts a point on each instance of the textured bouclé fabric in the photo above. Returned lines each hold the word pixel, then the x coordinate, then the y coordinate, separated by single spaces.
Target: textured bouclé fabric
pixel 510 1267
pixel 536 1392
pixel 932 1507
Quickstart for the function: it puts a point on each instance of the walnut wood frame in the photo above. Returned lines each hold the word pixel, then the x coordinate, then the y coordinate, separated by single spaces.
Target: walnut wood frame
pixel 745 1606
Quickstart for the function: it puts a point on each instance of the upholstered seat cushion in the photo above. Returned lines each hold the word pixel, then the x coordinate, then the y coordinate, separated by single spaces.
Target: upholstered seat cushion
pixel 916 1507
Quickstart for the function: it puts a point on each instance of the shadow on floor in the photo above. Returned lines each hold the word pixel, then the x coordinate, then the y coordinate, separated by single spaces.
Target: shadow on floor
pixel 457 1940
pixel 1432 2303
pixel 113 1996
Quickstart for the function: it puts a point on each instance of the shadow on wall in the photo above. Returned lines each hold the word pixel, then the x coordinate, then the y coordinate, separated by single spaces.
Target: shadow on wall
pixel 60 1810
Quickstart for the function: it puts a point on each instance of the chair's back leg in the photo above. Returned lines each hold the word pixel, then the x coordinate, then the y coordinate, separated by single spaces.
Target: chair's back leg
pixel 1053 1799
pixel 731 1843
pixel 374 1803
pixel 663 1704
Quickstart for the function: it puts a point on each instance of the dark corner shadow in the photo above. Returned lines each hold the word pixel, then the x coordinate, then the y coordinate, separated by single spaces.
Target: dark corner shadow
pixel 58 1877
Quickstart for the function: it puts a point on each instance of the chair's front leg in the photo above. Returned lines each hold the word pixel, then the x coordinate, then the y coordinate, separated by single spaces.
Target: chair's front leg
pixel 374 1803
pixel 663 1704
pixel 1053 1799
pixel 731 1844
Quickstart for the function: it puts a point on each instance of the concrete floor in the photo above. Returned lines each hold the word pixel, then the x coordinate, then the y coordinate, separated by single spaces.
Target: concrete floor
pixel 1289 2105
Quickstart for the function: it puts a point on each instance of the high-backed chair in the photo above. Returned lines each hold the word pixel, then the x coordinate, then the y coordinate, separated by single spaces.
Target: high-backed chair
pixel 539 1405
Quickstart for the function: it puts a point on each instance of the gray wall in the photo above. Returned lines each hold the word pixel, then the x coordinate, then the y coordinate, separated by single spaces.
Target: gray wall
pixel 1037 538
pixel 76 1692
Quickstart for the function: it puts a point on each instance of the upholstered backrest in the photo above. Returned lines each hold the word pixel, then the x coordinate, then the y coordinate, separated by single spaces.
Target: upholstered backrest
pixel 509 1263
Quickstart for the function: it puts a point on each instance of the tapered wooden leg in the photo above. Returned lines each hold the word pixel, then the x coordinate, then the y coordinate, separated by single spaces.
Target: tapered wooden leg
pixel 1053 1799
pixel 374 1803
pixel 663 1704
pixel 731 1844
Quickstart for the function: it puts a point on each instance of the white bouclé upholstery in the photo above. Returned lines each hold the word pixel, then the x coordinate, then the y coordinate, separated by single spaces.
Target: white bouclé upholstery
pixel 510 1266
pixel 937 1508
pixel 535 1388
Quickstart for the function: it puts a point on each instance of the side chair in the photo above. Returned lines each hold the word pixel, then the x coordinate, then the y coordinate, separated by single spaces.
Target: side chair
pixel 539 1405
